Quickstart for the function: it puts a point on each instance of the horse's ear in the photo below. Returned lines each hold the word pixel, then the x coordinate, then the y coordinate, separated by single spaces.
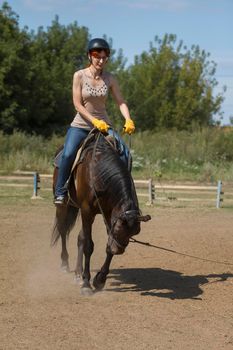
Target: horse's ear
pixel 144 218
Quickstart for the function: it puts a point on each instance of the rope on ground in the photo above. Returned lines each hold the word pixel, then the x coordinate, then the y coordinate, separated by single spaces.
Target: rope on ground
pixel 133 240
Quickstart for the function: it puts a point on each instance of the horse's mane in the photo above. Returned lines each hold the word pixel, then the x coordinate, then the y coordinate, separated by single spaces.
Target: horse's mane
pixel 111 174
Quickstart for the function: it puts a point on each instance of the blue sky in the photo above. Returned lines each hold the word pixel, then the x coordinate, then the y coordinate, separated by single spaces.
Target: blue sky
pixel 133 24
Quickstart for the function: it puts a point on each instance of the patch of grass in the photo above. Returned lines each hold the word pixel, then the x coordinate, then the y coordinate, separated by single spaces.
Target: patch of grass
pixel 20 196
pixel 203 155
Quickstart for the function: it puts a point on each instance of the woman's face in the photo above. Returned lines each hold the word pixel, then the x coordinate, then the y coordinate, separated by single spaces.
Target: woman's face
pixel 98 59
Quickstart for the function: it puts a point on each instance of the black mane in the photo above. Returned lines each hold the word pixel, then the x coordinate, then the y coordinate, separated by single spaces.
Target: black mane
pixel 111 174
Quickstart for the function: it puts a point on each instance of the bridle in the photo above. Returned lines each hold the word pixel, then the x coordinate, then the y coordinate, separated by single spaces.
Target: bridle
pixel 123 215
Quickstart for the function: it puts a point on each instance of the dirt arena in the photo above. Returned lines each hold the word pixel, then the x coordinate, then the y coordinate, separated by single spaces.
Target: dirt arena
pixel 153 299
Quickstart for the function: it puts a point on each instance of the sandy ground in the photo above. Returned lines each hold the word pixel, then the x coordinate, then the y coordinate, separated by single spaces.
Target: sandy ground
pixel 153 299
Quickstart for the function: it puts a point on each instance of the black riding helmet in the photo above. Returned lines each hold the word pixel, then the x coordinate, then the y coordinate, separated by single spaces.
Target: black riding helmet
pixel 98 44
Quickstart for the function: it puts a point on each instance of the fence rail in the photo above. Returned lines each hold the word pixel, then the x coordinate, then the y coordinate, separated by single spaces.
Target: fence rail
pixel 147 189
pixel 36 178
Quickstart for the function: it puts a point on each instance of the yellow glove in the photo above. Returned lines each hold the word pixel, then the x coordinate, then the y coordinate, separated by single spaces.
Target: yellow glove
pixel 129 126
pixel 100 125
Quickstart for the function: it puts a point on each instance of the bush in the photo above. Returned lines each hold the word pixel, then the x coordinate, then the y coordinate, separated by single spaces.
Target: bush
pixel 20 151
pixel 203 154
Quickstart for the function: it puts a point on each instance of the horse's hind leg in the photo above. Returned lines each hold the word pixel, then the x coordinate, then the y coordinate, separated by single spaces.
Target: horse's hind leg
pixel 64 255
pixel 64 221
pixel 63 229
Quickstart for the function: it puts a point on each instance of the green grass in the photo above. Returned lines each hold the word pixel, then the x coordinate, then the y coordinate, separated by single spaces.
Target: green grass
pixel 204 155
pixel 23 197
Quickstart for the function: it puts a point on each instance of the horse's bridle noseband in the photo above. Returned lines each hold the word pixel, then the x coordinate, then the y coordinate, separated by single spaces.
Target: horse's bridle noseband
pixel 133 213
pixel 123 215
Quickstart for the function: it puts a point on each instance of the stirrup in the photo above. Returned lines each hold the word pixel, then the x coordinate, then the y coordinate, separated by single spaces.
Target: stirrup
pixel 60 200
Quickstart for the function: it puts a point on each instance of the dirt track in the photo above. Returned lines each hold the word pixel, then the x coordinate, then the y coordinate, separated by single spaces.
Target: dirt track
pixel 153 299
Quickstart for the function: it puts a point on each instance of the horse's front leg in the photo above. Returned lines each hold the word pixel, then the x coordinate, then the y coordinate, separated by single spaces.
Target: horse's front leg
pixel 85 247
pixel 101 276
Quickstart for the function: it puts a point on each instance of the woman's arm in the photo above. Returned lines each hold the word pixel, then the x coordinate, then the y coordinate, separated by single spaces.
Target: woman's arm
pixel 129 126
pixel 119 99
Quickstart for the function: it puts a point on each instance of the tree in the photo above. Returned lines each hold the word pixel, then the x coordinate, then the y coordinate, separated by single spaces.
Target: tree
pixel 116 66
pixel 56 53
pixel 36 74
pixel 170 86
pixel 14 74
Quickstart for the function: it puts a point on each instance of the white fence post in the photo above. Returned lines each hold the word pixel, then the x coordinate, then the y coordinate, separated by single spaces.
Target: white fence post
pixel 219 192
pixel 36 180
pixel 151 190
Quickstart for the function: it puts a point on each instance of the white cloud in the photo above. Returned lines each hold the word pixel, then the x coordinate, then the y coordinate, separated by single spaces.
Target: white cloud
pixel 167 5
pixel 172 5
pixel 51 5
pixel 159 5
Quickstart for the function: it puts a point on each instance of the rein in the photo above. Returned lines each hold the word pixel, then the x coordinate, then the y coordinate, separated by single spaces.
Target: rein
pixel 93 184
pixel 133 240
pixel 109 229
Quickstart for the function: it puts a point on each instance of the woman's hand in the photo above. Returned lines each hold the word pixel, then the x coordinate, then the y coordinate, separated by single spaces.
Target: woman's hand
pixel 129 126
pixel 100 124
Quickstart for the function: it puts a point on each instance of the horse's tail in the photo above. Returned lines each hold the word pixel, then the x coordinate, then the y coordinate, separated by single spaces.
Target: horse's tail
pixel 64 222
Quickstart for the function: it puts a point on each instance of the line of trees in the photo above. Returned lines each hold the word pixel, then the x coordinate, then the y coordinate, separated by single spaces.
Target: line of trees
pixel 170 86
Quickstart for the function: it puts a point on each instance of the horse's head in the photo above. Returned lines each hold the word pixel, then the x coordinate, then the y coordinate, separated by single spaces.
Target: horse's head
pixel 123 227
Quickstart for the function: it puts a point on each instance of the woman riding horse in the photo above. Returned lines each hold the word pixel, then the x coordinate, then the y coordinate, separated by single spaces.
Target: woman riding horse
pixel 101 182
pixel 90 89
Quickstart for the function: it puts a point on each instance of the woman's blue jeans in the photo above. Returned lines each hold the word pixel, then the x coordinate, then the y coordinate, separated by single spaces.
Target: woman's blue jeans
pixel 73 140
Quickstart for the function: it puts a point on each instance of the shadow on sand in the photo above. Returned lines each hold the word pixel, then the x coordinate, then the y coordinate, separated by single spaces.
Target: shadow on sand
pixel 162 283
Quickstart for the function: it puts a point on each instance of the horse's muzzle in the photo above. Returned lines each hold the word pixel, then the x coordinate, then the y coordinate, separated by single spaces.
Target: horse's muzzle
pixel 115 247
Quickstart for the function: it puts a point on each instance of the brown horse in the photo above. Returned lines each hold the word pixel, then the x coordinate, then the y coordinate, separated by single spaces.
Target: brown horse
pixel 101 183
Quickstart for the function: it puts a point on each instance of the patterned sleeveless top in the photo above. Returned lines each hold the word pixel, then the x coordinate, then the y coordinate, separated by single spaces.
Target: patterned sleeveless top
pixel 94 99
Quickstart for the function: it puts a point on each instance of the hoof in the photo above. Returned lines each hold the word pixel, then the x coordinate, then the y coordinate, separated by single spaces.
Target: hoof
pixel 86 291
pixel 99 285
pixel 78 280
pixel 65 268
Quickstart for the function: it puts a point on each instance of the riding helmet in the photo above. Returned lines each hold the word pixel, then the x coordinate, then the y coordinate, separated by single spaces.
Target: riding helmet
pixel 98 44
